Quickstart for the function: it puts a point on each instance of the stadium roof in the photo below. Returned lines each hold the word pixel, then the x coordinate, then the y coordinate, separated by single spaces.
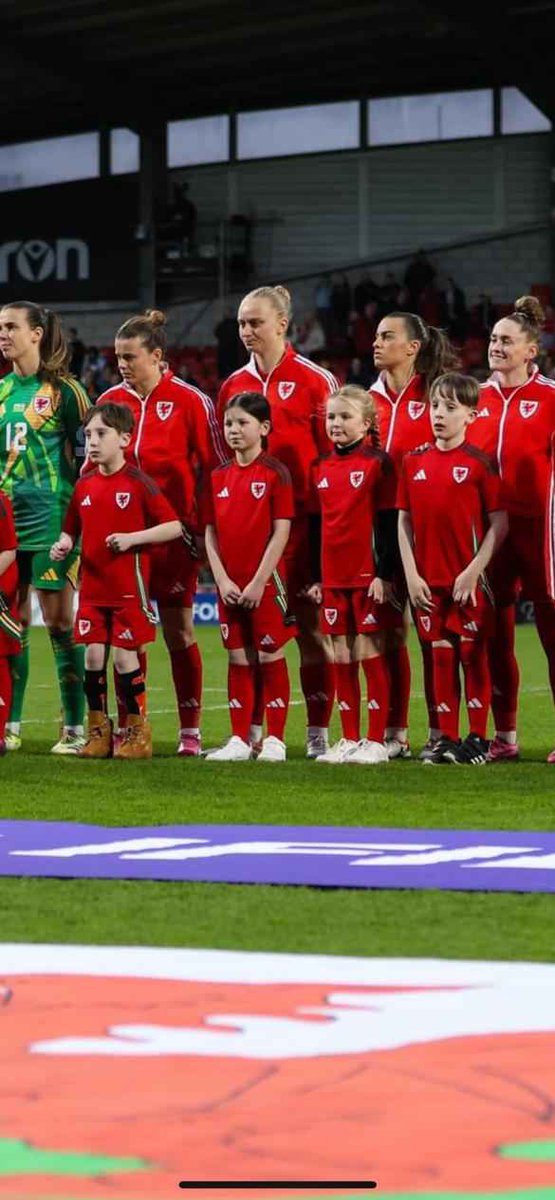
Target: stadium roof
pixel 73 65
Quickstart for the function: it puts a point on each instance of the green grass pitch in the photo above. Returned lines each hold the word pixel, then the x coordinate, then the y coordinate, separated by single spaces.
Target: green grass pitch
pixel 166 790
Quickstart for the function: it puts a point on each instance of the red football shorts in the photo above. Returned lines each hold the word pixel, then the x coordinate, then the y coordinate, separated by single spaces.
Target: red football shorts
pixel 519 565
pixel 351 611
pixel 267 627
pixel 173 575
pixel 448 617
pixel 126 625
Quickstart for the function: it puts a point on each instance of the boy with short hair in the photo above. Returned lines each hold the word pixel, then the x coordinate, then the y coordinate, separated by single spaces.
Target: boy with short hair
pixel 451 522
pixel 117 511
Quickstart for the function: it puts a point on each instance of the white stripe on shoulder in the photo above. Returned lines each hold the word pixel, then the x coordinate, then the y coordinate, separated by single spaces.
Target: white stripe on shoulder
pixel 210 413
pixel 327 375
pixel 546 379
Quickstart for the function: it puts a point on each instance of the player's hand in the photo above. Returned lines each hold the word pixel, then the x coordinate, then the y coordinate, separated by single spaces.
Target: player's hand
pixel 314 593
pixel 380 591
pixel 120 542
pixel 61 548
pixel 251 595
pixel 420 594
pixel 464 587
pixel 228 590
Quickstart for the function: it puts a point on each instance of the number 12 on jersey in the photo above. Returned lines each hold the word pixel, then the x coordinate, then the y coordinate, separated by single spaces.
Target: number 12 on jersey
pixel 16 437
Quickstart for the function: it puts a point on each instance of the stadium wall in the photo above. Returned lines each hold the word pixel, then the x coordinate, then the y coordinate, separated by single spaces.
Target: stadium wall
pixel 317 213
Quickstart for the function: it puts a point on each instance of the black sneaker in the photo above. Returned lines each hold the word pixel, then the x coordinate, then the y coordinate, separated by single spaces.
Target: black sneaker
pixel 472 752
pixel 444 751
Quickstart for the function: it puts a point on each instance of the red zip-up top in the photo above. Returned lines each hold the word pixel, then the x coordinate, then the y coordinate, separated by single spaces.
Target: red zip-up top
pixel 297 391
pixel 176 433
pixel 515 428
pixel 404 420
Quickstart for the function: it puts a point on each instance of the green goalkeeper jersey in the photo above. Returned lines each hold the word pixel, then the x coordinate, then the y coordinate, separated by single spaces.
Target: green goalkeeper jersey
pixel 40 439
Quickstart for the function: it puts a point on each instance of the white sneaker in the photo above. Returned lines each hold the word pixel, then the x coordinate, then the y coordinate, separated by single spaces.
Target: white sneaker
pixel 234 750
pixel 338 752
pixel 69 743
pixel 316 745
pixel 13 740
pixel 397 749
pixel 273 750
pixel 369 753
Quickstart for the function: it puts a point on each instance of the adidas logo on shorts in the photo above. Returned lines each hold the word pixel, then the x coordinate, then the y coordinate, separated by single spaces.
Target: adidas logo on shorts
pixel 370 620
pixel 126 635
pixel 267 640
pixel 471 626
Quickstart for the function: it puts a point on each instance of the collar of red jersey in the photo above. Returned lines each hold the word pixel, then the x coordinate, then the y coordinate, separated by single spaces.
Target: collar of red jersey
pixel 252 368
pixel 380 387
pixel 496 381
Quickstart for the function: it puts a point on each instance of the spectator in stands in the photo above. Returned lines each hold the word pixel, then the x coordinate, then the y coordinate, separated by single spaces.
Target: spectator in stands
pixel 76 353
pixel 364 292
pixel 419 274
pixel 363 331
pixel 548 331
pixel 311 336
pixel 340 306
pixel 391 299
pixel 456 315
pixel 322 298
pixel 94 361
pixel 109 377
pixel 361 373
pixel 88 380
pixel 431 306
pixel 483 315
pixel 186 375
pixel 183 216
pixel 231 352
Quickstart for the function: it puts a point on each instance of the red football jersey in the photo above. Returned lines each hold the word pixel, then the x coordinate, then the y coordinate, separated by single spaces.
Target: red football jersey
pixel 515 427
pixel 176 432
pixel 297 390
pixel 8 541
pixel 119 503
pixel 403 420
pixel 245 503
pixel 448 494
pixel 349 489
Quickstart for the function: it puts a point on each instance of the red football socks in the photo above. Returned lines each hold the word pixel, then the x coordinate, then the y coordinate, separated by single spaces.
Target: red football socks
pixel 377 685
pixel 477 685
pixel 347 679
pixel 186 665
pixel 505 675
pixel 398 665
pixel 318 686
pixel 277 691
pixel 447 690
pixel 429 685
pixel 240 690
pixel 5 694
pixel 545 622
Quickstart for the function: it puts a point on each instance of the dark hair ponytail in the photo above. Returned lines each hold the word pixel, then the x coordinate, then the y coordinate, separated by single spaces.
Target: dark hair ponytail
pixel 436 355
pixel 149 327
pixel 53 347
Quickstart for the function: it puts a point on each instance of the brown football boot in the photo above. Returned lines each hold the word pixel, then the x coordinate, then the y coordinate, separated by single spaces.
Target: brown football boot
pixel 99 738
pixel 137 740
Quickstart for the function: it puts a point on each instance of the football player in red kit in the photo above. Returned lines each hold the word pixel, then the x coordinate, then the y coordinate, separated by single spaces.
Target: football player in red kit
pixel 515 423
pixel 252 506
pixel 354 490
pixel 10 628
pixel 115 509
pixel 176 439
pixel 450 525
pixel 409 355
pixel 297 391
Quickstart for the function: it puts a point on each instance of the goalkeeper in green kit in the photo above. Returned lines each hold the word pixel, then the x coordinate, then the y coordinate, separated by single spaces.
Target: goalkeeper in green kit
pixel 41 414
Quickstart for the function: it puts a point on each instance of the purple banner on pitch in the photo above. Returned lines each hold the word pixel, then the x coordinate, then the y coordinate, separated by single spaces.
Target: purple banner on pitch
pixel 278 854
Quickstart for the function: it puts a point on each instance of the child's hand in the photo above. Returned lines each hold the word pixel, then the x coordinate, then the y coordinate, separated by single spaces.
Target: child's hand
pixel 380 591
pixel 420 594
pixel 464 587
pixel 314 593
pixel 61 548
pixel 228 590
pixel 251 595
pixel 120 542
